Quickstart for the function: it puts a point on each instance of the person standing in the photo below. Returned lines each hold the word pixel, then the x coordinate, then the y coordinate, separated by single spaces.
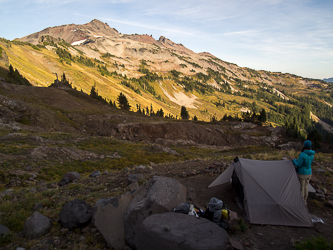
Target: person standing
pixel 303 167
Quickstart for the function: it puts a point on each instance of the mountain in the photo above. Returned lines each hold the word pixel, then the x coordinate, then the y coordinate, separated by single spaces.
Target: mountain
pixel 328 79
pixel 58 89
pixel 163 75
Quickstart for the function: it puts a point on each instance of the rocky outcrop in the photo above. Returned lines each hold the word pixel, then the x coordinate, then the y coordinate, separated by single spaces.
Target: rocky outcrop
pixel 175 231
pixel 159 195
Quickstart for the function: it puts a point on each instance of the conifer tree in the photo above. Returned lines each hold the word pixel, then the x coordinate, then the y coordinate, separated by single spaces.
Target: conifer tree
pixel 184 113
pixel 262 117
pixel 123 102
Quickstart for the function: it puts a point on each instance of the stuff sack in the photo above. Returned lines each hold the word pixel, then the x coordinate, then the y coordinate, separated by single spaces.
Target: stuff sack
pixel 186 208
pixel 183 208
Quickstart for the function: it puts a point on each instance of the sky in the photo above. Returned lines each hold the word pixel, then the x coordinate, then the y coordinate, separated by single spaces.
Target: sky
pixel 288 36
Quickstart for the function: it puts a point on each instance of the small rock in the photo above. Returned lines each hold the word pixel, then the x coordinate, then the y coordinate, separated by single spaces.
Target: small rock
pixel 64 181
pixel 132 178
pixel 28 168
pixel 105 172
pixel 236 244
pixel 56 241
pixel 95 173
pixel 192 172
pixel 116 155
pixel 82 238
pixel 133 186
pixel 324 190
pixel 38 206
pixel 259 234
pixel 3 230
pixel 93 230
pixel 73 176
pixel 64 230
pixel 34 176
pixel 7 192
pixel 140 167
pixel 42 189
pixel 184 174
pixel 320 170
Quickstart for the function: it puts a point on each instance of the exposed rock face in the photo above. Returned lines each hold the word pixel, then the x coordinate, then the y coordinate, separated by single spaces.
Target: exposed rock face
pixel 75 214
pixel 72 32
pixel 160 195
pixel 109 219
pixel 36 225
pixel 173 231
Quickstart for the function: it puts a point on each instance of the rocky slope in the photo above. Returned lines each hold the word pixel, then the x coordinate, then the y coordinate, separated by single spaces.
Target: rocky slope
pixel 47 132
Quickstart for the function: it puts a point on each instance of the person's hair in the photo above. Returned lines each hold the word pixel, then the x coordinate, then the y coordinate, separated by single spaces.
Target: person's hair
pixel 304 148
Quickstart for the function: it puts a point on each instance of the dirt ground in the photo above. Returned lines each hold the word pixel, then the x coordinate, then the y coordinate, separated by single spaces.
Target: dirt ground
pixel 260 236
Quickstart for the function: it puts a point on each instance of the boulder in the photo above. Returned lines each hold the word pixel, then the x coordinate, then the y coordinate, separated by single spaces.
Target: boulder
pixel 109 219
pixel 159 195
pixel 69 177
pixel 132 178
pixel 73 176
pixel 64 181
pixel 95 173
pixel 36 225
pixel 3 230
pixel 6 192
pixel 173 231
pixel 75 214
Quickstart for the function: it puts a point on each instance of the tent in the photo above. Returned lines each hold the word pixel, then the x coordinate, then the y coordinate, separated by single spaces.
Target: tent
pixel 267 191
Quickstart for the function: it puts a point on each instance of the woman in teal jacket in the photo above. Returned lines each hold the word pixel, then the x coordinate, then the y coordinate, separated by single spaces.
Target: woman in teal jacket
pixel 303 167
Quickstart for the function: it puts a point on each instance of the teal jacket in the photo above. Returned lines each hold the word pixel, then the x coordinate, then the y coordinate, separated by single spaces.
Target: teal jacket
pixel 303 163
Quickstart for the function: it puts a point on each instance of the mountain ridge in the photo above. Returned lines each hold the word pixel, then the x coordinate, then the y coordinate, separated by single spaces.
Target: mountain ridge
pixel 160 74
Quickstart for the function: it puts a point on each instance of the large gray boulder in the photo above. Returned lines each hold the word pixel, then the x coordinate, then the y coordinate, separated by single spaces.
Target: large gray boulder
pixel 175 231
pixel 36 225
pixel 159 195
pixel 109 219
pixel 75 214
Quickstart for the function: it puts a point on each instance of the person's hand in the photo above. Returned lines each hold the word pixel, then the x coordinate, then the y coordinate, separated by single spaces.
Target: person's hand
pixel 293 158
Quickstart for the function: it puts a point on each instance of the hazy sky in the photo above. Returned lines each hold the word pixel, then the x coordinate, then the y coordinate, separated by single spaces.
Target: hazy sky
pixel 289 36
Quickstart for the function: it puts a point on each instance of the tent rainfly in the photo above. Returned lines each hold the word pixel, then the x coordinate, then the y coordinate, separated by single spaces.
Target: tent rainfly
pixel 267 191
